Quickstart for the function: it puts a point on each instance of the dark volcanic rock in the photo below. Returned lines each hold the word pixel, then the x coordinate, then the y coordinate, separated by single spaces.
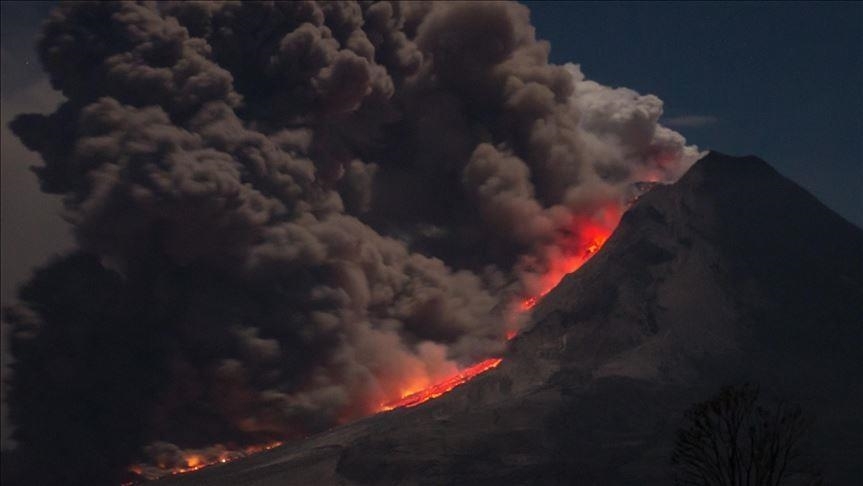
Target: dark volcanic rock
pixel 733 274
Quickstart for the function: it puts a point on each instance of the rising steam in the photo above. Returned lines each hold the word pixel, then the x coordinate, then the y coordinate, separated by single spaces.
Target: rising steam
pixel 287 213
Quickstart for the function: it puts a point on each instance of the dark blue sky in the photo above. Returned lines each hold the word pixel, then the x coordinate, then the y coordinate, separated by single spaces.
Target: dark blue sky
pixel 784 81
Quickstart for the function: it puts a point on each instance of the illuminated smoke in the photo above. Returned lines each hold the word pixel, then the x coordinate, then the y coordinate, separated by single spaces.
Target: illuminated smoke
pixel 286 212
pixel 417 393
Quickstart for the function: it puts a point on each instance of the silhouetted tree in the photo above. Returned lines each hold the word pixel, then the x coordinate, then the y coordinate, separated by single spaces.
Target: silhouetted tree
pixel 733 440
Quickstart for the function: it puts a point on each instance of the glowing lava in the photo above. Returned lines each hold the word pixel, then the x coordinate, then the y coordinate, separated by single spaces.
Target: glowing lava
pixel 571 251
pixel 591 241
pixel 193 460
pixel 438 389
pixel 574 251
pixel 578 247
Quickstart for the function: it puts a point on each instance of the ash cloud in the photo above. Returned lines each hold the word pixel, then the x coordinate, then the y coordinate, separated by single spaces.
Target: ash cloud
pixel 288 213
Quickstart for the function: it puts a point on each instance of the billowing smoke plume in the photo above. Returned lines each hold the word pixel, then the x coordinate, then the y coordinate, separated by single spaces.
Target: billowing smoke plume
pixel 289 212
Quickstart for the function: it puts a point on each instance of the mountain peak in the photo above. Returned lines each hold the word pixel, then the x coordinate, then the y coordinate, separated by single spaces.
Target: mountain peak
pixel 733 274
pixel 718 164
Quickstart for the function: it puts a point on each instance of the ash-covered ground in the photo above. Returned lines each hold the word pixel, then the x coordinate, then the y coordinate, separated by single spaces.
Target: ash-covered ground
pixel 733 274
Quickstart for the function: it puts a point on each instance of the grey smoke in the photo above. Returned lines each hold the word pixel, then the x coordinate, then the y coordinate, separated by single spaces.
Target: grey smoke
pixel 307 207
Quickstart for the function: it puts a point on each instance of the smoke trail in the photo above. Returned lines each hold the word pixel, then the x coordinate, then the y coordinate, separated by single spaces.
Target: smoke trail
pixel 288 212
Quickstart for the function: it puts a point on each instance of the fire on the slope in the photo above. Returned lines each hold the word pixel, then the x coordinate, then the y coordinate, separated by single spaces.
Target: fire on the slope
pixel 582 244
pixel 183 461
pixel 576 249
pixel 414 398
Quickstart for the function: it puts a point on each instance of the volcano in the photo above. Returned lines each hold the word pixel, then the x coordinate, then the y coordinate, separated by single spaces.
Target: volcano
pixel 733 274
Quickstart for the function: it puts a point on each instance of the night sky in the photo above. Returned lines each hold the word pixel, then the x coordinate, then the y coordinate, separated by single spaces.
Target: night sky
pixel 288 214
pixel 778 80
pixel 781 81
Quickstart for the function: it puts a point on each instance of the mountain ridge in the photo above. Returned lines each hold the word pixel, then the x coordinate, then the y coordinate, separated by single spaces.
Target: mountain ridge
pixel 723 277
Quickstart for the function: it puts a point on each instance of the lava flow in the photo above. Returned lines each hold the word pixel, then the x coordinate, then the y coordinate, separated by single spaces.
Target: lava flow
pixel 590 241
pixel 579 248
pixel 587 241
pixel 438 389
pixel 193 460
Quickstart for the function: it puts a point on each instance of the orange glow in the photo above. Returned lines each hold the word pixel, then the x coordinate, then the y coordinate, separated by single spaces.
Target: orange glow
pixel 577 247
pixel 571 252
pixel 412 399
pixel 575 251
pixel 562 267
pixel 194 460
pixel 528 303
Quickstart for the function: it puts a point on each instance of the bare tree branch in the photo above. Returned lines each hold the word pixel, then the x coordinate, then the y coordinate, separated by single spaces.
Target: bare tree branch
pixel 731 440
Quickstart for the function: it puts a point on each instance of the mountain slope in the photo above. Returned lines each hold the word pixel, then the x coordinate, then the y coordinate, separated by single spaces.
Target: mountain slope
pixel 732 274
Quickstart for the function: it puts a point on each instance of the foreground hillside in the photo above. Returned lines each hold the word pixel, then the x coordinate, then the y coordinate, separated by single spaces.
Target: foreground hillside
pixel 733 274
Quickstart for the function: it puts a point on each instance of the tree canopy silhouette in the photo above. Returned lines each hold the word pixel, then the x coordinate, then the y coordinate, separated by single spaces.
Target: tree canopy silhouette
pixel 734 440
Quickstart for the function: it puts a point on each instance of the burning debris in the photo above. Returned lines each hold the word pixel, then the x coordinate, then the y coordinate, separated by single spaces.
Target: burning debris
pixel 286 211
pixel 639 189
pixel 573 253
pixel 168 459
pixel 412 398
pixel 628 341
pixel 590 241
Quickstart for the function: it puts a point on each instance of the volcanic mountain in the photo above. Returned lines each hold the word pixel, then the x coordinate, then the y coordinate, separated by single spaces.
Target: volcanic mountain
pixel 733 274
